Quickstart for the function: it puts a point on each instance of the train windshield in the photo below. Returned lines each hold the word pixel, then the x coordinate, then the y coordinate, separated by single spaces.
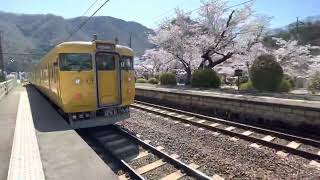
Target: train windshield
pixel 75 62
pixel 127 63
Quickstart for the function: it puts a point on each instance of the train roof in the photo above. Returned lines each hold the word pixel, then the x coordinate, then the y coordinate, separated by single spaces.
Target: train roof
pixel 72 45
pixel 123 49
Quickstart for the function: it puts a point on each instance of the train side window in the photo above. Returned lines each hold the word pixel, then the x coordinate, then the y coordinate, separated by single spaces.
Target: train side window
pixel 52 72
pixel 55 65
pixel 47 72
pixel 105 62
pixel 75 62
pixel 126 63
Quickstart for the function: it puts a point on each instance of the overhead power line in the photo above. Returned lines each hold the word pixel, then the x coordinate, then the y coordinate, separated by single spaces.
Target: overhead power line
pixel 90 7
pixel 191 11
pixel 227 8
pixel 85 21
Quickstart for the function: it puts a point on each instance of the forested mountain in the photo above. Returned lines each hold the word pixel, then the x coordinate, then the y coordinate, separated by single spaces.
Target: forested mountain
pixel 22 33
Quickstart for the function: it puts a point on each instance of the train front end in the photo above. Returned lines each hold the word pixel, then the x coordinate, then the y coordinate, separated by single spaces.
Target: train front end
pixel 101 91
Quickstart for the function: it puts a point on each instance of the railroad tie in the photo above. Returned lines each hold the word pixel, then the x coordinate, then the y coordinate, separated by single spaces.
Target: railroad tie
pixel 217 177
pixel 179 116
pixel 268 138
pixel 190 118
pixel 160 148
pixel 141 155
pixel 231 128
pixel 202 121
pixel 282 154
pixel 247 133
pixel 315 164
pixel 294 145
pixel 123 177
pixel 151 166
pixel 214 124
pixel 234 139
pixel 178 174
pixel 255 145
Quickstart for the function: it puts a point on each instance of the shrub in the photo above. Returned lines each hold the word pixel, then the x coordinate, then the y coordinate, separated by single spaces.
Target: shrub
pixel 246 86
pixel 266 73
pixel 290 79
pixel 315 82
pixel 243 79
pixel 285 86
pixel 153 81
pixel 168 79
pixel 205 78
pixel 2 78
pixel 141 80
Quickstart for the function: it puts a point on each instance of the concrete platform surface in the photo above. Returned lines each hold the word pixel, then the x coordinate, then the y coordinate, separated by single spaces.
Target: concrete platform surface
pixel 64 154
pixel 8 113
pixel 25 161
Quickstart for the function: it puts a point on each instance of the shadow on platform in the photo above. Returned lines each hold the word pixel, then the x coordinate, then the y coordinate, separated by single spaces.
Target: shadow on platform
pixel 45 117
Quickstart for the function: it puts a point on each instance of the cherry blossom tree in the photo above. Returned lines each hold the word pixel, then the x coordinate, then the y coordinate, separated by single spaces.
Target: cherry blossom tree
pixel 295 59
pixel 155 61
pixel 212 37
pixel 315 67
pixel 224 34
pixel 175 36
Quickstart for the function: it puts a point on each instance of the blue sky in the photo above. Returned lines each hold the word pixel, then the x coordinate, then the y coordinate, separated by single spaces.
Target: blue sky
pixel 150 12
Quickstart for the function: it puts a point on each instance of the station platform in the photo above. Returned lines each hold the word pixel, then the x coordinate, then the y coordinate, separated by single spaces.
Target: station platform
pixel 36 142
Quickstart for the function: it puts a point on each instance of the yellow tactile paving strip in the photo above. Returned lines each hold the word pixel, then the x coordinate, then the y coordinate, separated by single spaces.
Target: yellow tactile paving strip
pixel 25 161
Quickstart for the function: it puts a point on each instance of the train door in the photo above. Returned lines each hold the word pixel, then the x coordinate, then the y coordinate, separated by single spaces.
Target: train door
pixel 108 79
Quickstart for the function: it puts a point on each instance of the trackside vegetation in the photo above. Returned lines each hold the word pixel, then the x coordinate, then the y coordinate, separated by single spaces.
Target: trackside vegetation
pixel 206 78
pixel 266 74
pixel 168 79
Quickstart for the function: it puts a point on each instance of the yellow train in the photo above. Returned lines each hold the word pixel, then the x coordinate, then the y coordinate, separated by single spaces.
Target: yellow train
pixel 91 82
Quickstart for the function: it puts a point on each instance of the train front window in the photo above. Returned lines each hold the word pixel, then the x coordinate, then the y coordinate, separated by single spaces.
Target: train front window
pixel 105 62
pixel 126 63
pixel 75 62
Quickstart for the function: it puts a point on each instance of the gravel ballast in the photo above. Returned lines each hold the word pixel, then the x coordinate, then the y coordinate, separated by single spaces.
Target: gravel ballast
pixel 217 154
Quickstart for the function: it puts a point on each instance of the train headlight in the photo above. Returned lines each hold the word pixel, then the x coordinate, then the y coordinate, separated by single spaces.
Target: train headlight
pixel 129 79
pixel 77 81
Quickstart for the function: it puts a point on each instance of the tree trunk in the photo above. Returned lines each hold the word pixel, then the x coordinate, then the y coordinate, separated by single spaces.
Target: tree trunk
pixel 206 57
pixel 189 75
pixel 212 64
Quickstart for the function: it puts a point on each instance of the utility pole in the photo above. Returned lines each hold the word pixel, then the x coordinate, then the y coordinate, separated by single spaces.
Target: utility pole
pixel 1 59
pixel 130 41
pixel 116 40
pixel 297 29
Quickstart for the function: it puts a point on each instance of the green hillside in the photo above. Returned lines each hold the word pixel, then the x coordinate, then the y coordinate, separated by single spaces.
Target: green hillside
pixel 37 34
pixel 306 31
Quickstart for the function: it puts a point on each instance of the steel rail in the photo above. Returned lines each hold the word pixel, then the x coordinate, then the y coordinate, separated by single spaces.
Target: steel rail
pixel 287 136
pixel 132 173
pixel 178 164
pixel 302 153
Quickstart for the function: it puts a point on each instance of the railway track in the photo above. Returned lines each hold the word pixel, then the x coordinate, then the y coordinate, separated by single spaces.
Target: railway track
pixel 138 158
pixel 301 146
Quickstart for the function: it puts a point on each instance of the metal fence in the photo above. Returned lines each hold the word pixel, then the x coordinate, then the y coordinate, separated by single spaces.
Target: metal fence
pixel 7 86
